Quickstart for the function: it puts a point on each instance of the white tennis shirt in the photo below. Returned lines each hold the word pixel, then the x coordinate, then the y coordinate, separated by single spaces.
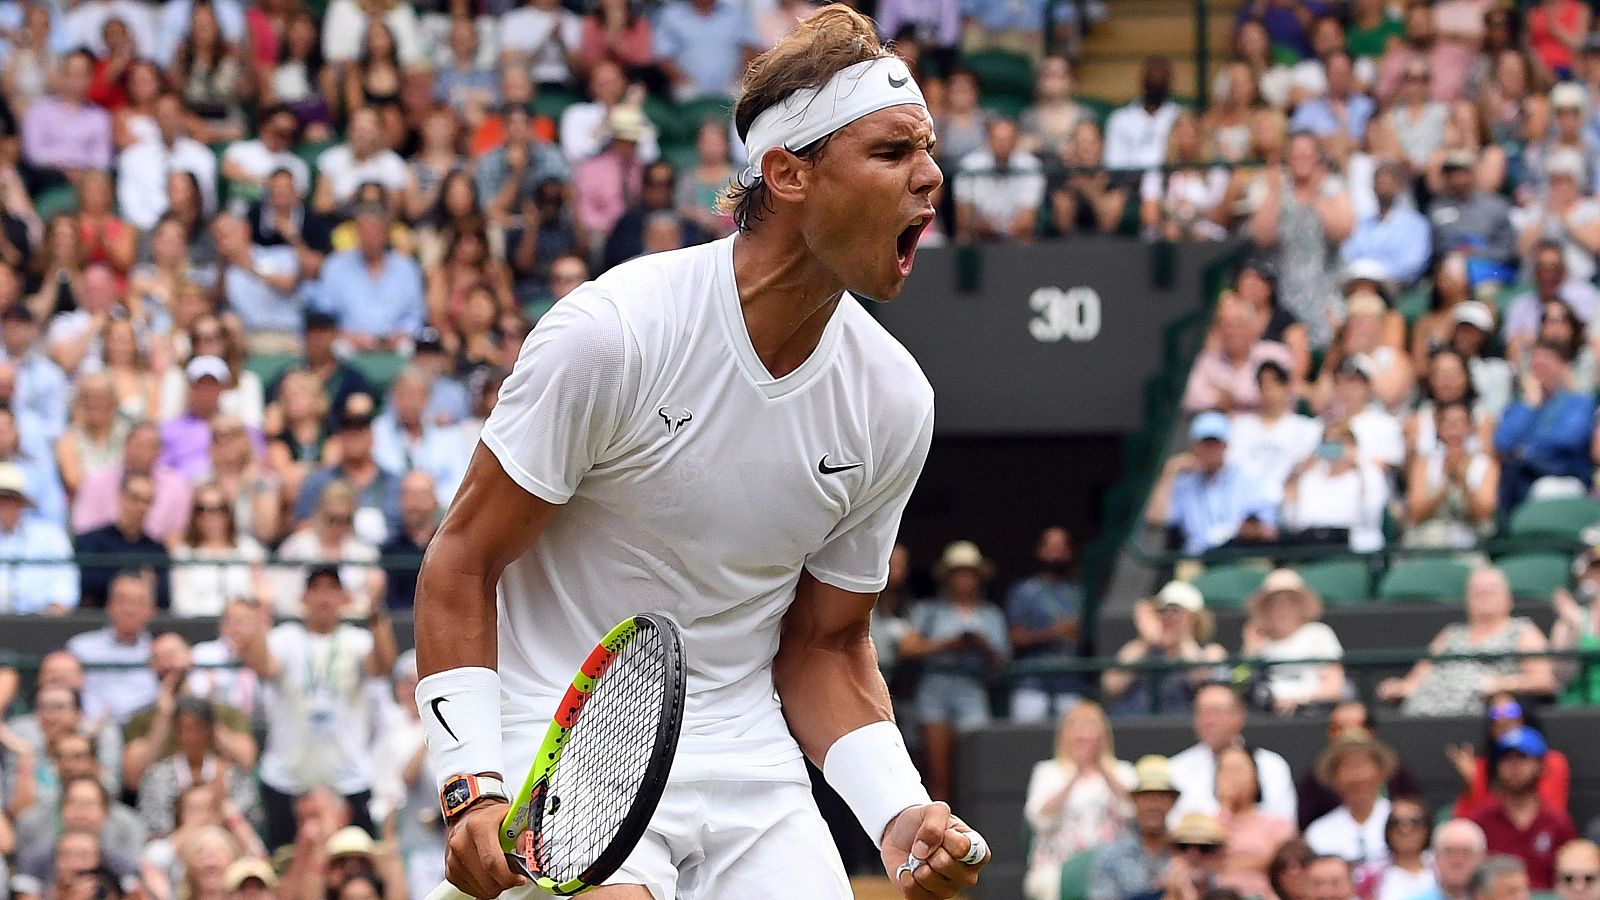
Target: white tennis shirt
pixel 696 485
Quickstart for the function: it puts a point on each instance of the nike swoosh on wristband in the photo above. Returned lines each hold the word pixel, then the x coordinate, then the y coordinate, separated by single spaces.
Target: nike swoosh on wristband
pixel 824 468
pixel 435 704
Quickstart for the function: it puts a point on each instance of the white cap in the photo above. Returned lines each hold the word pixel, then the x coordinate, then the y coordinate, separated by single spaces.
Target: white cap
pixel 208 367
pixel 14 481
pixel 1568 95
pixel 1181 594
pixel 1476 314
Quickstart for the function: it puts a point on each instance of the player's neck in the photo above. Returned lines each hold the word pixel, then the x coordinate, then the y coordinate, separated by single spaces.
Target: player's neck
pixel 785 294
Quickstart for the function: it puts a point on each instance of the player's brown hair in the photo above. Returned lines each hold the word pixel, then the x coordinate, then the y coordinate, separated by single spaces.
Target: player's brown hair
pixel 832 39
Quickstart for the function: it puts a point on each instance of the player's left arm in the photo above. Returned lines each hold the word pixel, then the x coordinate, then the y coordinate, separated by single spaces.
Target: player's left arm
pixel 827 676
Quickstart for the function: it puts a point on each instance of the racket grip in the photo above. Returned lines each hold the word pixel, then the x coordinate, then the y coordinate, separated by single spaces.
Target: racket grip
pixel 448 891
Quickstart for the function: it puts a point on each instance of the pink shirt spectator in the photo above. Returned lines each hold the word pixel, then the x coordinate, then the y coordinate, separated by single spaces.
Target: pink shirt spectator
pixel 1214 373
pixel 604 185
pixel 58 135
pixel 96 503
pixel 1449 63
pixel 631 49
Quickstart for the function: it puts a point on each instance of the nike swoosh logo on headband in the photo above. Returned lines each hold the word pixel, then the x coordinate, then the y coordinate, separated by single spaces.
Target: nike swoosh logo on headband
pixel 898 82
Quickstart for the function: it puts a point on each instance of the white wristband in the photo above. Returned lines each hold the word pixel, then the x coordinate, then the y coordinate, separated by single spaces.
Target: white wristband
pixel 460 710
pixel 872 771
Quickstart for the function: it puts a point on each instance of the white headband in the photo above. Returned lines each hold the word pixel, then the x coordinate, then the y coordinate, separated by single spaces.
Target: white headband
pixel 809 115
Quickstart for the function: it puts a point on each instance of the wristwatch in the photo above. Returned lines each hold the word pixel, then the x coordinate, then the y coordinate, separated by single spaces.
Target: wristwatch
pixel 462 792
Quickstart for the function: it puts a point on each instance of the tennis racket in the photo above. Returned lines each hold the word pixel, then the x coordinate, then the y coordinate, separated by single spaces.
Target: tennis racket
pixel 603 765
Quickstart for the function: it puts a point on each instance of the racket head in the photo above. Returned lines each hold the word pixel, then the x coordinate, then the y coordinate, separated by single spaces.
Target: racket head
pixel 633 685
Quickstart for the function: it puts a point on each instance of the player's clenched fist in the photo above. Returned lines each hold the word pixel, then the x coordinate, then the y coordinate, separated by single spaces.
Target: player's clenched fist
pixel 473 860
pixel 943 844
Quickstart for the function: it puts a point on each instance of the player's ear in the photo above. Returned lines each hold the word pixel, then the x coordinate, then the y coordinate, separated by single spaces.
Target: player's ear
pixel 785 174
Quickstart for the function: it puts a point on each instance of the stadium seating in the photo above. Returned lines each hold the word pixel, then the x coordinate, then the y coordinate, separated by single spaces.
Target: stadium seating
pixel 1424 579
pixel 1228 586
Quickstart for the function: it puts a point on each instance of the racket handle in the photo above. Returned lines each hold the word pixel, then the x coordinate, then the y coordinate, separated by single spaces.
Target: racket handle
pixel 448 891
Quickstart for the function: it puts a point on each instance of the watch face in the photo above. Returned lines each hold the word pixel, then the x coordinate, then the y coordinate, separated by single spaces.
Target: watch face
pixel 457 793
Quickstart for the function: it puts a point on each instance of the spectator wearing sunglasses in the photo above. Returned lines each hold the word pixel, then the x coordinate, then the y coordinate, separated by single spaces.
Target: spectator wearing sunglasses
pixel 1407 874
pixel 1578 870
pixel 1197 845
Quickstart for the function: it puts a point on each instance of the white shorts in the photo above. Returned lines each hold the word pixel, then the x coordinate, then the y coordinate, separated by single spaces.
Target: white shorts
pixel 725 839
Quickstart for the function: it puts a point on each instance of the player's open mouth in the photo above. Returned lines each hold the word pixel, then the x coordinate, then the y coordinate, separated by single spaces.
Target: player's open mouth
pixel 905 246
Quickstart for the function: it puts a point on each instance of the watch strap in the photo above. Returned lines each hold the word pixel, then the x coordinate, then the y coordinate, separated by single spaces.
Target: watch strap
pixel 462 792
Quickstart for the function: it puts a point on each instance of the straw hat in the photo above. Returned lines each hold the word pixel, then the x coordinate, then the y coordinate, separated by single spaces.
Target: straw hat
pixel 1153 775
pixel 963 555
pixel 1198 828
pixel 1333 755
pixel 1286 581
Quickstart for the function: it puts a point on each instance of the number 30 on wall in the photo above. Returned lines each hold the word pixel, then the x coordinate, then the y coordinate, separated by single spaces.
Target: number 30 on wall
pixel 1073 314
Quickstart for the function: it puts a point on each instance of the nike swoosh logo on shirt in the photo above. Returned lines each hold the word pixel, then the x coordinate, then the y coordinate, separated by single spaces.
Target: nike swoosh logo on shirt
pixel 898 82
pixel 436 715
pixel 824 468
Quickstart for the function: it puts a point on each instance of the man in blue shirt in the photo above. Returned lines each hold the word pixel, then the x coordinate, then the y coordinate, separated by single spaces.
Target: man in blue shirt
pixel 261 284
pixel 32 587
pixel 1340 116
pixel 374 291
pixel 1545 434
pixel 1043 613
pixel 1209 502
pixel 704 46
pixel 1398 237
pixel 40 385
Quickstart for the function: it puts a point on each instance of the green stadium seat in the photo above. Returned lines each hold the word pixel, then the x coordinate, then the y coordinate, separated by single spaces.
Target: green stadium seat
pixel 1228 586
pixel 269 366
pixel 1008 105
pixel 664 116
pixel 1535 576
pixel 682 156
pixel 379 368
pixel 1001 72
pixel 1100 107
pixel 1414 301
pixel 1340 582
pixel 1563 518
pixel 1075 875
pixel 1425 579
pixel 55 201
pixel 553 102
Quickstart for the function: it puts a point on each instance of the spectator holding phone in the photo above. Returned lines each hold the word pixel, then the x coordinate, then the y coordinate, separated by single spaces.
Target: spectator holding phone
pixel 1336 497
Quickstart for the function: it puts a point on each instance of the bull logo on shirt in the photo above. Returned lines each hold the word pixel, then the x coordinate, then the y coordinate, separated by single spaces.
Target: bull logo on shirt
pixel 675 417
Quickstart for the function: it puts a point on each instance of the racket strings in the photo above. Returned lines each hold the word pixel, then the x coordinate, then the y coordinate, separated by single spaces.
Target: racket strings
pixel 605 761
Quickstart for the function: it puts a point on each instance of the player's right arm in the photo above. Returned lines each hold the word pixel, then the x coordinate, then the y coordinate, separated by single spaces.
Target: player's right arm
pixel 491 523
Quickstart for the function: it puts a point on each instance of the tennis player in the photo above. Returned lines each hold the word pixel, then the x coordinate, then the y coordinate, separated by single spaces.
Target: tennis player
pixel 723 435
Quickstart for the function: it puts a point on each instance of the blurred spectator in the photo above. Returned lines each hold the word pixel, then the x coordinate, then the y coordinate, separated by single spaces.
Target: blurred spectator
pixel 1431 334
pixel 1397 237
pixel 126 546
pixel 335 378
pixel 1285 623
pixel 437 165
pixel 1452 488
pixel 1552 282
pixel 543 38
pixel 515 169
pixel 1197 843
pixel 1505 716
pixel 1252 834
pixel 373 290
pixel 38 470
pixel 1466 131
pixel 1136 861
pixel 40 383
pixel 1077 800
pixel 1219 723
pixel 86 807
pixel 216 680
pixel 1555 32
pixel 1491 376
pixel 466 84
pixel 143 169
pixel 198 757
pixel 186 440
pixel 1578 628
pixel 1564 215
pixel 1234 96
pixel 1564 149
pixel 959 639
pixel 363 158
pixel 964 124
pixel 1224 378
pixel 1052 117
pixel 1305 214
pixel 95 504
pixel 216 562
pixel 76 337
pixel 1336 496
pixel 1268 444
pixel 1457 687
pixel 1458 850
pixel 330 535
pixel 1083 197
pixel 247 164
pixel 56 733
pixel 698 189
pixel 1519 822
pixel 1181 634
pixel 586 127
pixel 703 46
pixel 655 195
pixel 1330 878
pixel 1208 501
pixel 1478 224
pixel 1578 870
pixel 1350 717
pixel 419 519
pixel 1287 870
pixel 999 190
pixel 1356 768
pixel 1044 612
pixel 1257 285
pixel 1338 116
pixel 260 284
pixel 1379 437
pixel 1136 134
pixel 317 724
pixel 1545 434
pixel 618 31
pixel 63 135
pixel 408 788
pixel 282 218
pixel 32 587
pixel 297 428
pixel 1181 204
pixel 106 238
pixel 1417 117
pixel 403 439
pixel 377 488
pixel 119 692
pixel 998 25
pixel 603 184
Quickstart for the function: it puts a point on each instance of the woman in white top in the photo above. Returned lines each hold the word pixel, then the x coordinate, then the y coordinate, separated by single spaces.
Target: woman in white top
pixel 1452 490
pixel 210 335
pixel 329 536
pixel 232 562
pixel 1076 801
pixel 1178 206
pixel 1336 491
pixel 1409 872
pixel 1448 379
pixel 1285 624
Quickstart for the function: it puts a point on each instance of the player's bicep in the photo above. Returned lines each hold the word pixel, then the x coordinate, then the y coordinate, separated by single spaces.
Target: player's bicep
pixel 823 615
pixel 491 522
